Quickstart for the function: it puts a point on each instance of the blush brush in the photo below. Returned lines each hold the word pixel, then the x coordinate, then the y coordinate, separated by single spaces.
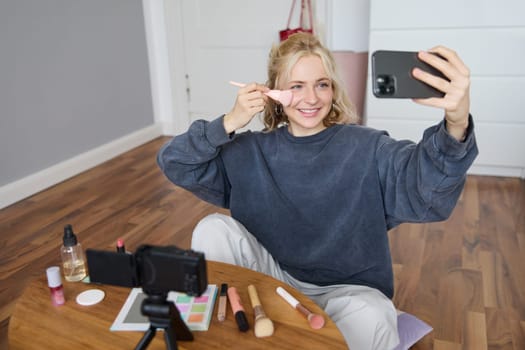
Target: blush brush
pixel 283 96
pixel 316 321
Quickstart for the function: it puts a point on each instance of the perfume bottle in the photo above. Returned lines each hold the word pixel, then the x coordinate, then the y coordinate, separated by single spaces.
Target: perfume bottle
pixel 73 261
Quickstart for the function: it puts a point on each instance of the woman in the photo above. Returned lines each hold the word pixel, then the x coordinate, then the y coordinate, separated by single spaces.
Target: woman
pixel 313 195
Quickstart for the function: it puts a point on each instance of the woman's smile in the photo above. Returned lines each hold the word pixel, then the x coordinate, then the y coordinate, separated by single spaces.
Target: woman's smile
pixel 312 97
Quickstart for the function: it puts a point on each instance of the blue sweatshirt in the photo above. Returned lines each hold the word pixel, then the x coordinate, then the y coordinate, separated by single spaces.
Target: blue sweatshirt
pixel 322 204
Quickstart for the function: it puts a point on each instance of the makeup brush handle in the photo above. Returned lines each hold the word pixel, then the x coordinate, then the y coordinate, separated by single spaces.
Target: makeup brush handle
pixel 254 297
pixel 234 83
pixel 287 296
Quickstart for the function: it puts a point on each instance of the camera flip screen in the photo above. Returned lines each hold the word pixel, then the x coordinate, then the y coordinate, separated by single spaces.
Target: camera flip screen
pixel 157 270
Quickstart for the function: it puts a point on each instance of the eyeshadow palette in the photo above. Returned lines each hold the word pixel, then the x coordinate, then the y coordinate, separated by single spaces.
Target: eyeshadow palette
pixel 196 312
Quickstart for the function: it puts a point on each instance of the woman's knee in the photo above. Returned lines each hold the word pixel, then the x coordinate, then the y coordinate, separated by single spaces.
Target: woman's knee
pixel 208 227
pixel 366 321
pixel 215 236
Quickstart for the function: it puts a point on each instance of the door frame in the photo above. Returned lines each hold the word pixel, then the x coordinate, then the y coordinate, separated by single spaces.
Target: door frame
pixel 168 95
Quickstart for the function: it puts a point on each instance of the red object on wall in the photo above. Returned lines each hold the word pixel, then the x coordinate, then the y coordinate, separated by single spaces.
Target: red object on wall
pixel 306 7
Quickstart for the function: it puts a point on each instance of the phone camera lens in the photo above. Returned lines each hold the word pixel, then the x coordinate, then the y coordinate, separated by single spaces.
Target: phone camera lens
pixel 385 85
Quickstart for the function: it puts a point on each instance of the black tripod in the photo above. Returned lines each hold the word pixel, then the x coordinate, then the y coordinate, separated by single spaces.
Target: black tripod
pixel 163 314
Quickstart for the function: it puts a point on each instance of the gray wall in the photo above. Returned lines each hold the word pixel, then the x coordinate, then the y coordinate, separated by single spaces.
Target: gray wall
pixel 73 76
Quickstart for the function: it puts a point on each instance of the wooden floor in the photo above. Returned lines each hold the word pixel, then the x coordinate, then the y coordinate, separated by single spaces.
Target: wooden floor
pixel 464 276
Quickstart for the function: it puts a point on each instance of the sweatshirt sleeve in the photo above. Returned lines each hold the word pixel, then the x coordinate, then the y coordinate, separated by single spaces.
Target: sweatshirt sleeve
pixel 422 182
pixel 192 161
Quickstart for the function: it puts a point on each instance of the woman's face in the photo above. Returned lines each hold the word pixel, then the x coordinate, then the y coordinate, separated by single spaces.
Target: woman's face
pixel 312 97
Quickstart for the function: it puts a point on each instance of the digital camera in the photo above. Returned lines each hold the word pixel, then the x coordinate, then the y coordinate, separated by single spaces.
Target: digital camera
pixel 156 269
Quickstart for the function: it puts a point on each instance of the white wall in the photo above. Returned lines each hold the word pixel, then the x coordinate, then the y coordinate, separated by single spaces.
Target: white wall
pixel 489 36
pixel 348 23
pixel 74 89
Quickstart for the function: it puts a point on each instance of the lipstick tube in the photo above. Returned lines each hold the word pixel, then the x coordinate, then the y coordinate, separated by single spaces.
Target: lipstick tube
pixel 238 309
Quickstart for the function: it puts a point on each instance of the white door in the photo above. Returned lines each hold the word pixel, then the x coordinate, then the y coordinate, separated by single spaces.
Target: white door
pixel 227 40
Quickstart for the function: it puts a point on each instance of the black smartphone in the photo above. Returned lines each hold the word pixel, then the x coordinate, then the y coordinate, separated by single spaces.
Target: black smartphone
pixel 392 75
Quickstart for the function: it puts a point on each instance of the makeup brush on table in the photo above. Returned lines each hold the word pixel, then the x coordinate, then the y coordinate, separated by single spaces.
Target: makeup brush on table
pixel 263 325
pixel 283 96
pixel 316 321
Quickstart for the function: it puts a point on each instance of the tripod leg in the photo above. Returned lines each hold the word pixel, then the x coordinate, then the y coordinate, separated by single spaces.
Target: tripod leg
pixel 146 338
pixel 163 314
pixel 170 338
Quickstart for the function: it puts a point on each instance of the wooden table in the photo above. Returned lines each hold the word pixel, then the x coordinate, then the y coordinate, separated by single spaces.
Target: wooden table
pixel 36 323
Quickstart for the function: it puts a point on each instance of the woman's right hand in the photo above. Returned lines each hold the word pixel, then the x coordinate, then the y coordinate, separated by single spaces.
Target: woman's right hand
pixel 250 101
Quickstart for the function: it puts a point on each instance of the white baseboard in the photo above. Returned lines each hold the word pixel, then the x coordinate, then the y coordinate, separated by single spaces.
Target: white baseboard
pixel 487 170
pixel 34 183
pixel 172 129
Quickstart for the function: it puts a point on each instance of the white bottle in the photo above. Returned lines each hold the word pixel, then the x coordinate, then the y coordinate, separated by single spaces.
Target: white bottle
pixel 73 261
pixel 55 285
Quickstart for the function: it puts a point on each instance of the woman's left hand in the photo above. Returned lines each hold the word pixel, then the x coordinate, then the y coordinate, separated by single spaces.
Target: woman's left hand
pixel 456 101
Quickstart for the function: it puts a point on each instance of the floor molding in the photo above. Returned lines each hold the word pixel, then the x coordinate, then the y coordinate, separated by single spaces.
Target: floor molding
pixel 34 183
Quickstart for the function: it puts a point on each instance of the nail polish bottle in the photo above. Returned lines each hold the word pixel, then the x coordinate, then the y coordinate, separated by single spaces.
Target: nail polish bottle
pixel 54 281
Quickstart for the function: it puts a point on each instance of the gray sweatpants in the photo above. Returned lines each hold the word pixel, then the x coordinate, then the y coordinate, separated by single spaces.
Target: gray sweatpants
pixel 365 316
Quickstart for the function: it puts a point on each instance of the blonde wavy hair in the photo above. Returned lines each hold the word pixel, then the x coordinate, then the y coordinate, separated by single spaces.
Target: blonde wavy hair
pixel 282 59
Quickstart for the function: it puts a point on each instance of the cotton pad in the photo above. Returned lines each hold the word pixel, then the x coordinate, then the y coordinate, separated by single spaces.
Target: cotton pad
pixel 90 297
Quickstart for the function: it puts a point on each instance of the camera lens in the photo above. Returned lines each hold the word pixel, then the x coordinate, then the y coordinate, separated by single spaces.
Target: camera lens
pixel 385 85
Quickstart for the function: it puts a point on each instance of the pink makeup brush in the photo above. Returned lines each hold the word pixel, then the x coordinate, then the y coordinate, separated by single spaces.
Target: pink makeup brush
pixel 283 96
pixel 316 321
